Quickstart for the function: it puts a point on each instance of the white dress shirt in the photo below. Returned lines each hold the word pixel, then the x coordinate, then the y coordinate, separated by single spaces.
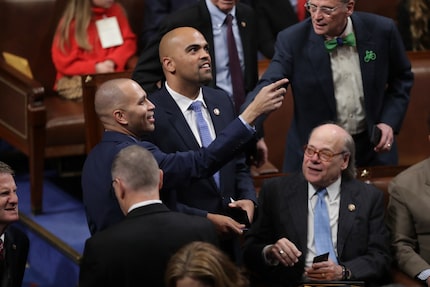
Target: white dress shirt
pixel 219 29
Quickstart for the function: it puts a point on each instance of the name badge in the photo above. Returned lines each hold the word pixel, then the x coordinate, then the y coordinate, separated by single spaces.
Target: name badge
pixel 109 32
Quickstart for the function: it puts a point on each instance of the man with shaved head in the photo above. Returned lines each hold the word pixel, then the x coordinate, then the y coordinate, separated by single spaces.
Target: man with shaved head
pixel 212 18
pixel 187 66
pixel 127 114
pixel 293 211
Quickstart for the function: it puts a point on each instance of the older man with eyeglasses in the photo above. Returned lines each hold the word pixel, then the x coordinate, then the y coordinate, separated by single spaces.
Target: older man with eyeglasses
pixel 321 224
pixel 347 67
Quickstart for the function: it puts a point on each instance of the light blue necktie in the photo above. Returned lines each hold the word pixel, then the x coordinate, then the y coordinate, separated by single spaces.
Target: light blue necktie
pixel 322 230
pixel 204 132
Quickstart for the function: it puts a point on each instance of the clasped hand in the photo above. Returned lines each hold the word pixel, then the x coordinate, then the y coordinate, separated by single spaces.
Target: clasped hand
pixel 326 270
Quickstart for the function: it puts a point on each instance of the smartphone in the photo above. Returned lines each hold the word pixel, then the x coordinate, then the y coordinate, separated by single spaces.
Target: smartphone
pixel 321 258
pixel 239 215
pixel 375 136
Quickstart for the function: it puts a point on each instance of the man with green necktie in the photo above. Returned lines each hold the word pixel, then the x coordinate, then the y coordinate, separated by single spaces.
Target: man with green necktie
pixel 347 67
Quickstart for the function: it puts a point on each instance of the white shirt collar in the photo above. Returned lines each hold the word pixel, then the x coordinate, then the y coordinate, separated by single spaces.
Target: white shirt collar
pixel 218 16
pixel 182 101
pixel 333 190
pixel 143 203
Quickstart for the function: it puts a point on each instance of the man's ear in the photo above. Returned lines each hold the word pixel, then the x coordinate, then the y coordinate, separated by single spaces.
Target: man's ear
pixel 119 190
pixel 120 116
pixel 169 64
pixel 160 184
pixel 350 7
pixel 345 163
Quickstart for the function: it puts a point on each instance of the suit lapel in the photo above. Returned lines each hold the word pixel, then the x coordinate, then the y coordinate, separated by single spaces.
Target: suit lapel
pixel 10 252
pixel 245 37
pixel 366 47
pixel 297 202
pixel 215 111
pixel 319 58
pixel 347 213
pixel 177 120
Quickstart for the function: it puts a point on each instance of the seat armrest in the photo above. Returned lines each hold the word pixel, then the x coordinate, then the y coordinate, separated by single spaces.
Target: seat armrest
pixel 19 81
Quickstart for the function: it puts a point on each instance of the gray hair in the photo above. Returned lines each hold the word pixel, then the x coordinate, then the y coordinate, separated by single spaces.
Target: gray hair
pixel 137 167
pixel 351 170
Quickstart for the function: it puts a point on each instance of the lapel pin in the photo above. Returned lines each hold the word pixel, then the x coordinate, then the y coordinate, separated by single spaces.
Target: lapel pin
pixel 216 112
pixel 14 246
pixel 243 24
pixel 351 207
pixel 370 56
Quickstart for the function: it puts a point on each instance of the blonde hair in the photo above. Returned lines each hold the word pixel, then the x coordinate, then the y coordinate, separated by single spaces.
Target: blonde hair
pixel 80 11
pixel 205 263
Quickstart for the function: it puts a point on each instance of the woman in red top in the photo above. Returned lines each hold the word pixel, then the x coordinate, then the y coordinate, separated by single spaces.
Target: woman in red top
pixel 77 47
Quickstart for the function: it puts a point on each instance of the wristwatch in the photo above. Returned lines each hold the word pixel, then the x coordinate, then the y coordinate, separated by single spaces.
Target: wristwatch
pixel 346 273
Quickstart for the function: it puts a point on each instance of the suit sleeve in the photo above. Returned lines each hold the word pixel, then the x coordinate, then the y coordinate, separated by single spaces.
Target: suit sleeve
pixel 399 84
pixel 261 232
pixel 403 232
pixel 182 167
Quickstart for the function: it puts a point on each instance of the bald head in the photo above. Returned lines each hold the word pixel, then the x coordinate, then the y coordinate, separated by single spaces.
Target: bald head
pixel 184 56
pixel 331 134
pixel 109 96
pixel 122 105
pixel 330 152
pixel 170 41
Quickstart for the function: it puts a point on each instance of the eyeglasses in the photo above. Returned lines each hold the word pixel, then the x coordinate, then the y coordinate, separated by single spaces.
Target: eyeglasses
pixel 312 8
pixel 324 155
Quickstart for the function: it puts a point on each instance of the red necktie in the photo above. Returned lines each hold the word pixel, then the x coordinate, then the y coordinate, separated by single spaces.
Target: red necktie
pixel 234 64
pixel 301 10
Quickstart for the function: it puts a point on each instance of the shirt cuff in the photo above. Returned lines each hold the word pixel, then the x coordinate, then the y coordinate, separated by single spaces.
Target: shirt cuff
pixel 424 275
pixel 250 128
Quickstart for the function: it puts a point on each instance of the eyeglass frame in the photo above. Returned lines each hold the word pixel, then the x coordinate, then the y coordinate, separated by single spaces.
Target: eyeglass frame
pixel 330 154
pixel 324 10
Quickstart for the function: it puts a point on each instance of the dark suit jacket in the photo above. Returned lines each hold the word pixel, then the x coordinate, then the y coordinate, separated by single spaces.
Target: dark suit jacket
pixel 362 239
pixel 16 248
pixel 148 70
pixel 172 133
pixel 180 168
pixel 155 11
pixel 273 16
pixel 135 251
pixel 301 57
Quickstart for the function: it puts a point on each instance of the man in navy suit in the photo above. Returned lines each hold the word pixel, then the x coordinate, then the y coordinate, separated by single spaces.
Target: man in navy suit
pixel 148 72
pixel 14 243
pixel 135 251
pixel 282 242
pixel 127 114
pixel 184 54
pixel 209 17
pixel 361 83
